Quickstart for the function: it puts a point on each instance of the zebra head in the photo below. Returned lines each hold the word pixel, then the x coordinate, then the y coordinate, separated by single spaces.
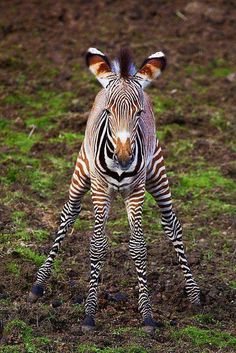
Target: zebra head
pixel 124 96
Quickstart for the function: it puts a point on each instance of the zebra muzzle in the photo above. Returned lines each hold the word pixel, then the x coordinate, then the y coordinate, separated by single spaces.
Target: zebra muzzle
pixel 123 155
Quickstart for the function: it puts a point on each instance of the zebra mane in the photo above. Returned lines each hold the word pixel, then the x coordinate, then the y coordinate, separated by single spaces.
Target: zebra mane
pixel 123 64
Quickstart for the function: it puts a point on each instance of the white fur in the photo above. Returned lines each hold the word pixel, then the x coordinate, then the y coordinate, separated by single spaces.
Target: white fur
pixel 123 135
pixel 158 54
pixel 95 51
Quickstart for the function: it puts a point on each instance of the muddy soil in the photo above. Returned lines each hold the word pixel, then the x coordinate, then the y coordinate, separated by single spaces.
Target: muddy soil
pixel 46 93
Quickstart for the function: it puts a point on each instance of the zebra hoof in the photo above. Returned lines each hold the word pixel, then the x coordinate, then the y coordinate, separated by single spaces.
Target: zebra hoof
pixel 197 302
pixel 150 325
pixel 88 324
pixel 35 293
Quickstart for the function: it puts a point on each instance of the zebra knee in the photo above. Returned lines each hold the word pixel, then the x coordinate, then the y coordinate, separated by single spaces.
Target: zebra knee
pixel 98 249
pixel 69 213
pixel 172 226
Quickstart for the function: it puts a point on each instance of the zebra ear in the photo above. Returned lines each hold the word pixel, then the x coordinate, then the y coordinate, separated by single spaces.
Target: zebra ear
pixel 151 68
pixel 99 65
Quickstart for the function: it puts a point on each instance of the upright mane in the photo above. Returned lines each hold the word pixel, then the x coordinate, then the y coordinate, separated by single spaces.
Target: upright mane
pixel 123 64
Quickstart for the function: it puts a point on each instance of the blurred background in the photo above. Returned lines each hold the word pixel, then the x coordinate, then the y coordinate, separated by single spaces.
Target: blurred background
pixel 46 93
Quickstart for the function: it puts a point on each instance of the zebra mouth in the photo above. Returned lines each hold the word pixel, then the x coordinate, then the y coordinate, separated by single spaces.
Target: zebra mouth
pixel 123 164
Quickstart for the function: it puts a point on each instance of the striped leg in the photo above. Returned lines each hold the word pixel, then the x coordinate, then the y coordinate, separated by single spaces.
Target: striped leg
pixel 157 185
pixel 138 252
pixel 79 185
pixel 98 252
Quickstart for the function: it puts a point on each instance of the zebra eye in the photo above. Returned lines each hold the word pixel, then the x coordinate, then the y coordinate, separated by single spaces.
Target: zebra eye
pixel 108 111
pixel 139 112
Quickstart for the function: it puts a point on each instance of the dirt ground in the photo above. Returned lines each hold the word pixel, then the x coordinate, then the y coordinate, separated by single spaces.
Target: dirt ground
pixel 46 93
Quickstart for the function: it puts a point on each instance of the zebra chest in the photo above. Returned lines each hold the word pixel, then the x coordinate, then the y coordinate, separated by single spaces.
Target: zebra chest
pixel 116 178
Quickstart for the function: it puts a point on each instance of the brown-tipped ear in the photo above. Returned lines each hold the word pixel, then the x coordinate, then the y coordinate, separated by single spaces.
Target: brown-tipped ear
pixel 99 65
pixel 151 68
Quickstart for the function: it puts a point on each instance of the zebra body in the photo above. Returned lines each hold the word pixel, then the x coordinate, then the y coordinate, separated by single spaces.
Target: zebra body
pixel 120 153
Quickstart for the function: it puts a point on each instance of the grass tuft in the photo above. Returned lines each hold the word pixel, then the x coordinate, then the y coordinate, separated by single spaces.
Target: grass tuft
pixel 202 337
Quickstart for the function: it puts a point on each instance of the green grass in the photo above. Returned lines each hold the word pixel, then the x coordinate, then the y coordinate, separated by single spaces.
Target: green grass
pixel 200 181
pixel 31 343
pixel 82 224
pixel 131 331
pixel 217 68
pixel 219 121
pixel 181 148
pixel 169 131
pixel 3 124
pixel 14 268
pixel 205 319
pixel 218 206
pixel 20 141
pixel 87 348
pixel 18 217
pixel 28 171
pixel 196 70
pixel 232 285
pixel 203 337
pixel 10 349
pixel 59 163
pixel 40 180
pixel 29 255
pixel 68 137
pixel 161 105
pixel 40 234
pixel 49 104
pixel 221 72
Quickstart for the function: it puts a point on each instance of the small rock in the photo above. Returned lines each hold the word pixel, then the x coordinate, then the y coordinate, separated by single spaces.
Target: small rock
pixel 56 303
pixel 229 169
pixel 78 299
pixel 173 91
pixel 195 8
pixel 173 322
pixel 117 297
pixel 215 15
pixel 3 296
pixel 153 276
pixel 19 122
pixel 231 77
pixel 120 297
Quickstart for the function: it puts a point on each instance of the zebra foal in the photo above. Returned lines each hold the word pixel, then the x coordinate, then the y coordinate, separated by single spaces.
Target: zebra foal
pixel 120 153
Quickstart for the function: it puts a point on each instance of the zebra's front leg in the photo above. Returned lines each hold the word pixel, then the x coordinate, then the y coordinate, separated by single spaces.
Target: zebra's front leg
pixel 68 216
pixel 138 252
pixel 158 186
pixel 173 230
pixel 80 184
pixel 98 252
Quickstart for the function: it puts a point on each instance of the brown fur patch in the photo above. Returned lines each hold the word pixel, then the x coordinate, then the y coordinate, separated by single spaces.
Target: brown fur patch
pixel 123 150
pixel 103 67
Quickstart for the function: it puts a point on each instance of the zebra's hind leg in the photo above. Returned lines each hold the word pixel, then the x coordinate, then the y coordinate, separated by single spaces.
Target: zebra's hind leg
pixel 98 252
pixel 68 217
pixel 173 230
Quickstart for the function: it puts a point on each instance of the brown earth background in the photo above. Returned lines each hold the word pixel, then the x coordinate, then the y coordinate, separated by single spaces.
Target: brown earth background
pixel 46 93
